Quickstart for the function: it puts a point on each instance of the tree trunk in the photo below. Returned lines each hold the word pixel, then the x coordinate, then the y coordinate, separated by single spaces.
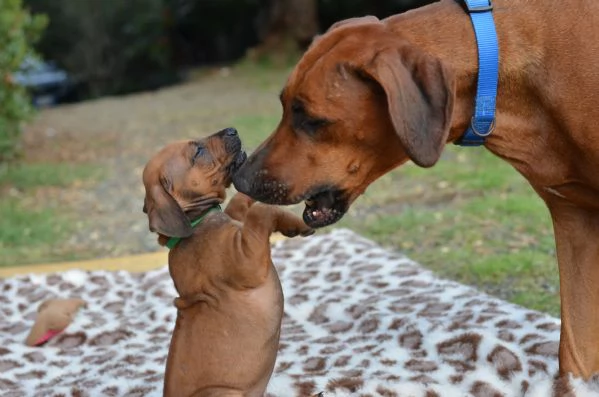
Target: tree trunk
pixel 287 26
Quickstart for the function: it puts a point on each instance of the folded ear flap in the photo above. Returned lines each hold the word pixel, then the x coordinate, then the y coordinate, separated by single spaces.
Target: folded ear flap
pixel 164 214
pixel 355 21
pixel 420 94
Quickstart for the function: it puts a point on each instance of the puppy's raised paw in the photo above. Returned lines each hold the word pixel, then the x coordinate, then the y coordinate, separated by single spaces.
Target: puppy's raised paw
pixel 294 232
pixel 307 232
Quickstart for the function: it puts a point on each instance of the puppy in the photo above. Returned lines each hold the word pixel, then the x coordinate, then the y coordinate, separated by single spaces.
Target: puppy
pixel 230 302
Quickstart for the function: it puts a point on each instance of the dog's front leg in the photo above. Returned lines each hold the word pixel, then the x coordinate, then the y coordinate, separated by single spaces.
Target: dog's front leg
pixel 238 206
pixel 252 245
pixel 577 240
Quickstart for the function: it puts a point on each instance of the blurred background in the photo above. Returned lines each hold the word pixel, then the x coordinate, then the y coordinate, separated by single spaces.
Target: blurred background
pixel 90 89
pixel 118 47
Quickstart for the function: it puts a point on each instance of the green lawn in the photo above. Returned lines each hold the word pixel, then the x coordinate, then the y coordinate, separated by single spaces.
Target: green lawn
pixel 30 228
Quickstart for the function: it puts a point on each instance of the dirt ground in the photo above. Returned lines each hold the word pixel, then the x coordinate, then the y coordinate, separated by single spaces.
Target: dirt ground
pixel 120 134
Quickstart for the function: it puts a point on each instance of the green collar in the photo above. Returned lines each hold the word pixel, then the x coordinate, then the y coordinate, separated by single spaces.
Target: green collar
pixel 173 241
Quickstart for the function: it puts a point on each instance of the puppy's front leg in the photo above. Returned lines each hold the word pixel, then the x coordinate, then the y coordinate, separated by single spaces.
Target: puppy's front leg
pixel 252 246
pixel 238 206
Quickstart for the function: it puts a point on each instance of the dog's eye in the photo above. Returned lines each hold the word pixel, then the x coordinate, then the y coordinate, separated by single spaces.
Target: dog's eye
pixel 199 152
pixel 305 122
pixel 309 124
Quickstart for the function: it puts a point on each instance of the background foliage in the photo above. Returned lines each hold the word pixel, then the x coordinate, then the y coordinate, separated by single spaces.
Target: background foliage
pixel 115 47
pixel 18 31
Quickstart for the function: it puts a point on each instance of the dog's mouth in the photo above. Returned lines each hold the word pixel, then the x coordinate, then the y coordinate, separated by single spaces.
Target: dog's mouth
pixel 325 208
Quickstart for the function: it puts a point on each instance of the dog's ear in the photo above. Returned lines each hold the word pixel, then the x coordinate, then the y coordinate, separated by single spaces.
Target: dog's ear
pixel 420 94
pixel 164 214
pixel 354 21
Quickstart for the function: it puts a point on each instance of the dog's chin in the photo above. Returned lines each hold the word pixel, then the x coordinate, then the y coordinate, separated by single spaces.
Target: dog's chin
pixel 325 208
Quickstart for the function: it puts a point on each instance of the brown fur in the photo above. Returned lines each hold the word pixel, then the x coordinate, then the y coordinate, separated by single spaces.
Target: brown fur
pixel 401 88
pixel 230 302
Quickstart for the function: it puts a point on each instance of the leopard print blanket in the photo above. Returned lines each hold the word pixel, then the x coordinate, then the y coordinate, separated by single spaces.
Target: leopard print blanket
pixel 359 321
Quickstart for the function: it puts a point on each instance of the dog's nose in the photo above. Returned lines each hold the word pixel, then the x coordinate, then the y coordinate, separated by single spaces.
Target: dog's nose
pixel 230 131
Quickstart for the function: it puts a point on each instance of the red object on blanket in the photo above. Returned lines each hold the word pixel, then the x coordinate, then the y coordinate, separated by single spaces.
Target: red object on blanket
pixel 53 316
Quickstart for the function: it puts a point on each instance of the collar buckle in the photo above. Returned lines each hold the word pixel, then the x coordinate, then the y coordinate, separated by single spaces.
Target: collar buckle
pixel 479 8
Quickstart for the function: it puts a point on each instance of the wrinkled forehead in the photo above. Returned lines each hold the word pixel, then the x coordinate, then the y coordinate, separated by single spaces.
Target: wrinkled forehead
pixel 165 159
pixel 329 62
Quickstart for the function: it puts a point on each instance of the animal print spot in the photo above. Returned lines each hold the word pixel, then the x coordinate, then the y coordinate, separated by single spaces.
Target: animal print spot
pixel 508 324
pixel 138 392
pixel 6 384
pixel 505 362
pixel 544 348
pixel 421 365
pixel 9 365
pixel 398 324
pixel 305 388
pixel 314 364
pixel 549 327
pixel 506 335
pixel 284 366
pixel 69 341
pixel 332 277
pixel 110 338
pixel 435 310
pixel 529 338
pixel 340 326
pixel 297 299
pixel 411 340
pixel 464 347
pixel 369 325
pixel 15 329
pixel 114 307
pixel 112 391
pixel 318 315
pixel 536 366
pixel 349 384
pixel 31 375
pixel 356 311
pixel 342 361
pixel 483 389
pixel 384 392
pixel 35 357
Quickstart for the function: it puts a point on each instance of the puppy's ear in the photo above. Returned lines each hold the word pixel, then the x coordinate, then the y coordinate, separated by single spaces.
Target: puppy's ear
pixel 420 93
pixel 164 214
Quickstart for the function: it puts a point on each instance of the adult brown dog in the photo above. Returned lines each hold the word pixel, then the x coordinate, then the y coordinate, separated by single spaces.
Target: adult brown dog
pixel 369 95
pixel 230 301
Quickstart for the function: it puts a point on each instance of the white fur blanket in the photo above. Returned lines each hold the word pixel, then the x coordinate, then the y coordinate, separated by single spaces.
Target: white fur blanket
pixel 360 321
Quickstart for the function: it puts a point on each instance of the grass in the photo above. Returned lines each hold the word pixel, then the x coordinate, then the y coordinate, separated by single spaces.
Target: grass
pixel 31 221
pixel 471 218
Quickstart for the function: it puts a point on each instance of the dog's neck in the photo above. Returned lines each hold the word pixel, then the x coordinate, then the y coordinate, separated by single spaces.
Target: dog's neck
pixel 444 32
pixel 171 242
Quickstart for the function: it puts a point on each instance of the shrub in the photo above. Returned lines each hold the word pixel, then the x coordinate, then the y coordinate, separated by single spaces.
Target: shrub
pixel 19 30
pixel 108 47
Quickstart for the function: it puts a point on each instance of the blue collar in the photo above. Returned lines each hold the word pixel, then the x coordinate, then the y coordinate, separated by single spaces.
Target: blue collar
pixel 483 121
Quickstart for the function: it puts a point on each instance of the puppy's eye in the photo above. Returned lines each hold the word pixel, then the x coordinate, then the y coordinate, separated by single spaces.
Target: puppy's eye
pixel 199 152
